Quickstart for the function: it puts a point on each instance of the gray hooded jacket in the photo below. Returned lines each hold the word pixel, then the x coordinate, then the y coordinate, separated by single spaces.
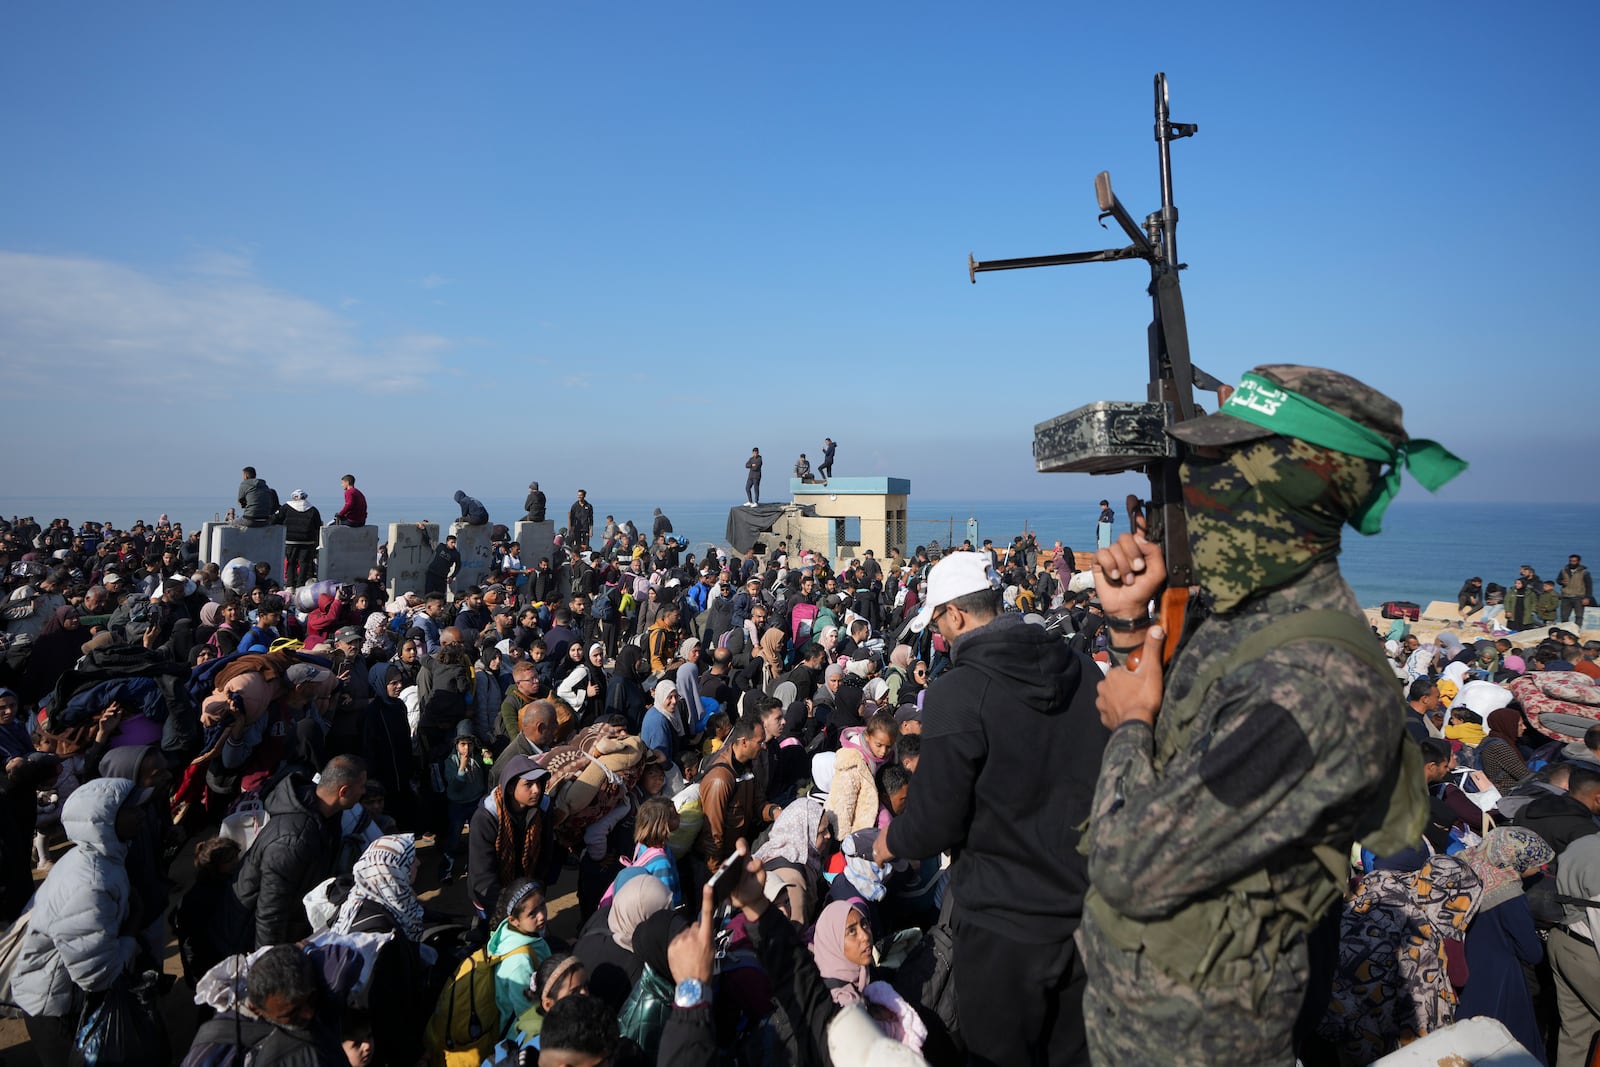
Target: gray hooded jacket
pixel 74 940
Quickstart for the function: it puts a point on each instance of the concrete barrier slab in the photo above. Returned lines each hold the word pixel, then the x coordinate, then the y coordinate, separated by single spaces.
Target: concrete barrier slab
pixel 408 557
pixel 476 546
pixel 537 539
pixel 347 553
pixel 258 544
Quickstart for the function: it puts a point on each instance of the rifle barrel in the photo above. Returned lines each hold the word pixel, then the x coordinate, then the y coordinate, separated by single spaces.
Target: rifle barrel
pixel 976 267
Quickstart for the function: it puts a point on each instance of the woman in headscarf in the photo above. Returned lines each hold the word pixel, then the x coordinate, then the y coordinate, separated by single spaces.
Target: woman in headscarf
pixel 644 1013
pixel 1499 753
pixel 1392 984
pixel 391 757
pixel 842 946
pixel 383 900
pixel 771 658
pixel 625 695
pixel 898 676
pixel 1502 939
pixel 57 648
pixel 210 619
pixel 376 643
pixel 584 687
pixel 828 638
pixel 802 840
pixel 606 944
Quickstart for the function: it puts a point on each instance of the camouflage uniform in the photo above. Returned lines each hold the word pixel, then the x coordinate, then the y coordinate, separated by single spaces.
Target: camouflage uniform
pixel 1203 826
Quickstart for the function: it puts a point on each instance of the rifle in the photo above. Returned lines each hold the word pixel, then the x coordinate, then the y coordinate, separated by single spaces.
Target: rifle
pixel 1109 437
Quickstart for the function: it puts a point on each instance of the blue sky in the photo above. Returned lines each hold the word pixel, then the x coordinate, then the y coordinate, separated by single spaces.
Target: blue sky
pixel 619 244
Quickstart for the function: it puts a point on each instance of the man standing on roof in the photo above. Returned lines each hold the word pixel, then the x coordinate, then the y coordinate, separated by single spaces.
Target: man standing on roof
pixel 1235 782
pixel 825 468
pixel 752 480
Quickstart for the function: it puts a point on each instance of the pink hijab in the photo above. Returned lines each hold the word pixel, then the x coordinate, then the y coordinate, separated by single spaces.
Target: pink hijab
pixel 827 945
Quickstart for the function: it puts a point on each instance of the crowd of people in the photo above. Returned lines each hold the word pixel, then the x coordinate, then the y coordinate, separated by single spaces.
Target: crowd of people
pixel 623 724
pixel 947 807
pixel 1529 601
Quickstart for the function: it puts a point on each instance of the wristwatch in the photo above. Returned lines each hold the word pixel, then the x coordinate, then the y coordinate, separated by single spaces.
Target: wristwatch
pixel 691 993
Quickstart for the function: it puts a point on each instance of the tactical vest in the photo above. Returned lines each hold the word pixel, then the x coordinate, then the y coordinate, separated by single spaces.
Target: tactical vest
pixel 1233 937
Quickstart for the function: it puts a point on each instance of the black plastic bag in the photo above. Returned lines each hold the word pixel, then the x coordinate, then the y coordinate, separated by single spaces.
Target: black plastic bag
pixel 122 1027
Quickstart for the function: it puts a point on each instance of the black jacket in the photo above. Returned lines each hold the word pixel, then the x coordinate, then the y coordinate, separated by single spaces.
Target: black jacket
pixel 534 506
pixel 300 527
pixel 1011 736
pixel 266 1044
pixel 296 850
pixel 1559 819
pixel 612 969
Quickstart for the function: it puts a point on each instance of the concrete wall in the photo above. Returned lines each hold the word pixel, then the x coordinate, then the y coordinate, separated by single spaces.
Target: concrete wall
pixel 205 543
pixel 477 555
pixel 256 543
pixel 537 539
pixel 408 557
pixel 346 553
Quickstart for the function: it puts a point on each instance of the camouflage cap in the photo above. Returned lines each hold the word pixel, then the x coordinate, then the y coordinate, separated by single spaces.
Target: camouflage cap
pixel 1338 392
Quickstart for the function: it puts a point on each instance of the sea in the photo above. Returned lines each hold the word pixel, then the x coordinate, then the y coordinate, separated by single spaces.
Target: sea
pixel 1426 550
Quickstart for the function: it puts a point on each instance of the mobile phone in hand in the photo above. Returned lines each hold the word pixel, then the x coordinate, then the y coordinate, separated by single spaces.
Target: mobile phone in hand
pixel 726 876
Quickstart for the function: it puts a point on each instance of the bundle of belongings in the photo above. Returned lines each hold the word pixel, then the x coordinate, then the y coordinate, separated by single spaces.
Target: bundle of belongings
pixel 1558 703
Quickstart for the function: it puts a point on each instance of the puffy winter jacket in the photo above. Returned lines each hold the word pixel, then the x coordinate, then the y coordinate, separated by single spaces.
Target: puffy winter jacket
pixel 72 941
pixel 853 797
pixel 296 850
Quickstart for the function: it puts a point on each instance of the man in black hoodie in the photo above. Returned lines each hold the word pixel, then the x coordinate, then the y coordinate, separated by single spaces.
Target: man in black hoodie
pixel 1011 737
pixel 1562 818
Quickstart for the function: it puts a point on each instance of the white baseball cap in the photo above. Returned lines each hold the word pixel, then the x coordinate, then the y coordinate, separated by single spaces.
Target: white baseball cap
pixel 956 575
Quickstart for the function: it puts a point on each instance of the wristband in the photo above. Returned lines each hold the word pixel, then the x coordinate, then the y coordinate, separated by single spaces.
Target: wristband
pixel 1125 651
pixel 1138 622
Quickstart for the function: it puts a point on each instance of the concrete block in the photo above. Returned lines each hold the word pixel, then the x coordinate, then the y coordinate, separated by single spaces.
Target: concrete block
pixel 408 557
pixel 205 543
pixel 257 544
pixel 347 553
pixel 476 545
pixel 537 539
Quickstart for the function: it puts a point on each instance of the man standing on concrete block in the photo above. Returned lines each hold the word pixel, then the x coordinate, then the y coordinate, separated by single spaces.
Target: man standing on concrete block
pixel 354 512
pixel 302 524
pixel 534 505
pixel 257 501
pixel 580 520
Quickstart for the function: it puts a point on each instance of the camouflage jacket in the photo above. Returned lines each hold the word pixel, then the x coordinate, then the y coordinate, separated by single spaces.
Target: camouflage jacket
pixel 1286 753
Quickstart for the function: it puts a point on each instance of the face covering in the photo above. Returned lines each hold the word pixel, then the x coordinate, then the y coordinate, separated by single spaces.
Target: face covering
pixel 1266 512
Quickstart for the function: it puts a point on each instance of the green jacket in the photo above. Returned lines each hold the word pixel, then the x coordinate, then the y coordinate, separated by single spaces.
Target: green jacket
pixel 1546 605
pixel 644 1014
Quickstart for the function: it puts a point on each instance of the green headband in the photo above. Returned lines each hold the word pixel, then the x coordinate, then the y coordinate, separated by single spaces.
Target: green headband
pixel 1289 414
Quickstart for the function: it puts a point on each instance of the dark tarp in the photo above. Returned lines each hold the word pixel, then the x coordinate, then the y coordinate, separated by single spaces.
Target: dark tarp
pixel 746 524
